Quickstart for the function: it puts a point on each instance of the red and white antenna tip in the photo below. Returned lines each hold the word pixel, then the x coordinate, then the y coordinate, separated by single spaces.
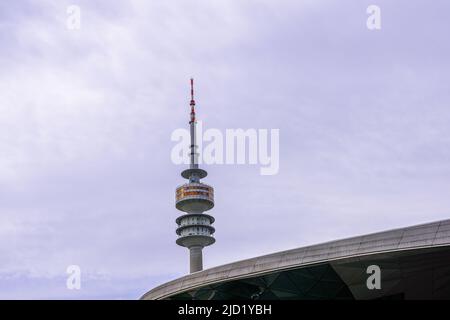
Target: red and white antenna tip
pixel 192 92
pixel 192 102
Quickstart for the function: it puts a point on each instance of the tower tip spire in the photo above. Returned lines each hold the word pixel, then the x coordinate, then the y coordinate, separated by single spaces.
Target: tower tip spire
pixel 192 92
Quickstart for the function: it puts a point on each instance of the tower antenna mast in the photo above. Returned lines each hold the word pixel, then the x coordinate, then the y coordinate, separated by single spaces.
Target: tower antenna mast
pixel 192 101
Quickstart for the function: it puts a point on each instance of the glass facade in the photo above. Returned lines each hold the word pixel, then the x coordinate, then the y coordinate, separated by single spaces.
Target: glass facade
pixel 194 190
pixel 411 274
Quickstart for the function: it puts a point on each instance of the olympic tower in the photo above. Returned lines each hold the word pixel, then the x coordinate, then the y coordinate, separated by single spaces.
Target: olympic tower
pixel 194 198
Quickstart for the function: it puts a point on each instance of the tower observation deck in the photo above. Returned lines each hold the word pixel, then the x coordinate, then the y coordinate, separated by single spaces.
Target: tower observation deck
pixel 195 230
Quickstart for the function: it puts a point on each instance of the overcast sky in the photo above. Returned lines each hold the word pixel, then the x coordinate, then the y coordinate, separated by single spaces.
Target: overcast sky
pixel 86 117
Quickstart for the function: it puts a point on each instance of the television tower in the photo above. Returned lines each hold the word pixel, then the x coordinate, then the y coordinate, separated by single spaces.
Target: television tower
pixel 195 230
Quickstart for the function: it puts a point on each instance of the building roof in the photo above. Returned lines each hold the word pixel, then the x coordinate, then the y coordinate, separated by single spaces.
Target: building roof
pixel 428 235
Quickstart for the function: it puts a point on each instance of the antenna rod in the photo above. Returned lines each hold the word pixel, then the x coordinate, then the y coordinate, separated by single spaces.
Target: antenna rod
pixel 192 92
pixel 192 102
pixel 194 154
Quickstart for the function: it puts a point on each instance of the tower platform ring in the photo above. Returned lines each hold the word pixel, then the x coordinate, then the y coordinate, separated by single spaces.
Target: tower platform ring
pixel 198 172
pixel 188 215
pixel 211 228
pixel 192 204
pixel 195 240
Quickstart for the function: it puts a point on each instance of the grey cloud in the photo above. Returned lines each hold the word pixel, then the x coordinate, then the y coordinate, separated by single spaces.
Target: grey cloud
pixel 86 118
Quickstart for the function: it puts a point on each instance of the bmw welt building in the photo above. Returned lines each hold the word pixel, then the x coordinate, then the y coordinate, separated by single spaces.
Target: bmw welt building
pixel 407 263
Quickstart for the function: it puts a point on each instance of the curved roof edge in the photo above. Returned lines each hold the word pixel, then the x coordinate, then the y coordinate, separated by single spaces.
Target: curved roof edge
pixel 426 235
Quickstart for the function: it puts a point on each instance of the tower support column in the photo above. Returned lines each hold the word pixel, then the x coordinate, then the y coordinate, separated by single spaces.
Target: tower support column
pixel 196 258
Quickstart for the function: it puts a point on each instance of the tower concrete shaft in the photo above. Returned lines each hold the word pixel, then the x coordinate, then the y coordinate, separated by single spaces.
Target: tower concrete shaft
pixel 196 258
pixel 195 230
